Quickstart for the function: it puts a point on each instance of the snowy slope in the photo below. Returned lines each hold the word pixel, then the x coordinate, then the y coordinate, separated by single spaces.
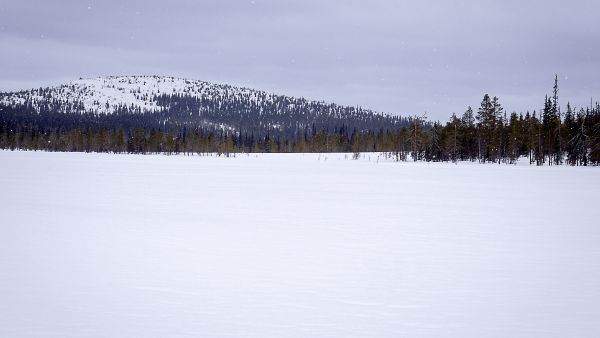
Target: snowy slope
pixel 105 94
pixel 193 103
pixel 293 245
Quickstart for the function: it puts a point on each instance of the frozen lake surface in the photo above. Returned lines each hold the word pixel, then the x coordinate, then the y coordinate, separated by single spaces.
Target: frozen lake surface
pixel 292 245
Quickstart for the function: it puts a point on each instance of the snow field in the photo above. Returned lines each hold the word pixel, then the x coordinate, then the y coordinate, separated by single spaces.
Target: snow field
pixel 295 245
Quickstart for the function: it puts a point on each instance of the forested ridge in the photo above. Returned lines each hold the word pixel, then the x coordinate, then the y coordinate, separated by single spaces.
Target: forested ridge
pixel 202 118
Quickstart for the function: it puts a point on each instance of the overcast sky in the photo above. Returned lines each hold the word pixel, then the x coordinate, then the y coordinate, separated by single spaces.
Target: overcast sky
pixel 400 57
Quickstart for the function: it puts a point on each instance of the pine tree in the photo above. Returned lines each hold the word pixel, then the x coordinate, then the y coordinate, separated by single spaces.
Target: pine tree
pixel 416 136
pixel 557 114
pixel 488 135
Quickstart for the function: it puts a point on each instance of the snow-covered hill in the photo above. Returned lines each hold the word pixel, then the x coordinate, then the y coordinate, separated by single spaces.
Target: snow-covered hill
pixel 106 94
pixel 169 102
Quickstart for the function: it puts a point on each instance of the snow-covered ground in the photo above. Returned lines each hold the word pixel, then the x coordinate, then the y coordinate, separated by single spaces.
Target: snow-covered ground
pixel 105 94
pixel 97 245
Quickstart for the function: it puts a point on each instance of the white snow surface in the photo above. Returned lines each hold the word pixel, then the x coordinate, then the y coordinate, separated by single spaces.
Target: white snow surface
pixel 295 245
pixel 105 94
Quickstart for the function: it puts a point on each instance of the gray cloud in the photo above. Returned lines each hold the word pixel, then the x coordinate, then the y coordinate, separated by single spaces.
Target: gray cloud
pixel 393 56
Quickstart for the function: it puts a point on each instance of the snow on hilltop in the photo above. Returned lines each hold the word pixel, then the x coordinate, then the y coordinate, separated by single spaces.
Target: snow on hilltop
pixel 195 103
pixel 105 94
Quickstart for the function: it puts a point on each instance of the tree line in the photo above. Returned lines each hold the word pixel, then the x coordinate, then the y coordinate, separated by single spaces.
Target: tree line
pixel 193 125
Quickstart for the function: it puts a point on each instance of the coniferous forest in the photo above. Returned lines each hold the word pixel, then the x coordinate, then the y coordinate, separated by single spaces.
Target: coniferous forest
pixel 227 124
